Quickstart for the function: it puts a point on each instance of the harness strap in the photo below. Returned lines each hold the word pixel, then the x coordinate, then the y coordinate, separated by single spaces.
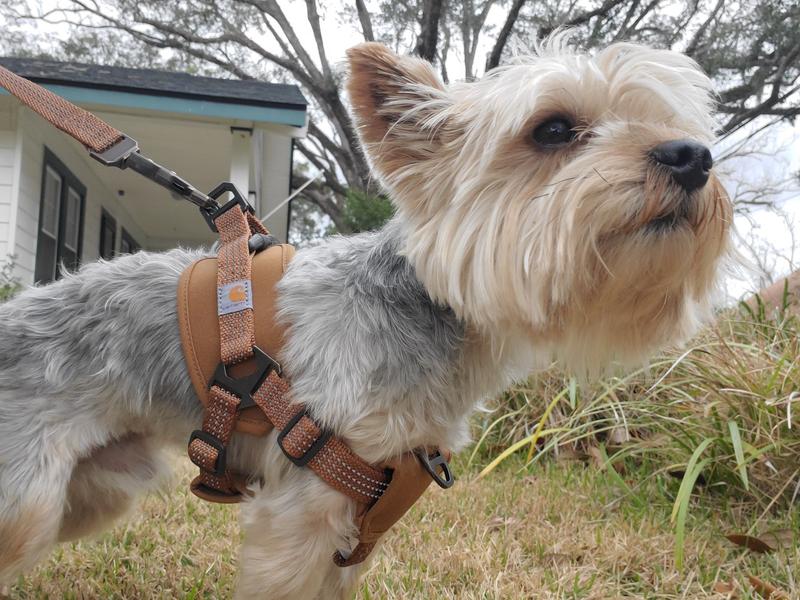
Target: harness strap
pixel 305 443
pixel 208 446
pixel 92 132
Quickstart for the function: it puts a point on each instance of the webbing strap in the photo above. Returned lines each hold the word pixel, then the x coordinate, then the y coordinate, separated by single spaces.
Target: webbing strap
pixel 92 132
pixel 333 461
pixel 234 288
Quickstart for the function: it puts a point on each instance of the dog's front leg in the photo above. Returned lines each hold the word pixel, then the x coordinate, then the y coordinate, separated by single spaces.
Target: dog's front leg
pixel 291 531
pixel 341 583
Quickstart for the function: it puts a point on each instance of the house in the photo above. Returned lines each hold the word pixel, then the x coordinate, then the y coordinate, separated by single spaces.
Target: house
pixel 59 206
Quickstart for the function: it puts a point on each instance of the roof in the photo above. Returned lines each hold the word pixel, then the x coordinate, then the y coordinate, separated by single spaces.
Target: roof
pixel 167 83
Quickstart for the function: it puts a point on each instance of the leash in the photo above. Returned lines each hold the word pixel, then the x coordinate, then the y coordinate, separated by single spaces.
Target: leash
pixel 383 493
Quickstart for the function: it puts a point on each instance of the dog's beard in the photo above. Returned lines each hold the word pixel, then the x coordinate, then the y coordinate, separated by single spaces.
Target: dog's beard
pixel 595 267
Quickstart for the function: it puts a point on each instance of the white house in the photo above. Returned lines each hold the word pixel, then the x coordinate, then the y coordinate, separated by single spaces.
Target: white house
pixel 58 205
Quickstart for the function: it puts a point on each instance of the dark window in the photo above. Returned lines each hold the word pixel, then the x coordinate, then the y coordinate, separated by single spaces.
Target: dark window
pixel 128 245
pixel 108 236
pixel 60 220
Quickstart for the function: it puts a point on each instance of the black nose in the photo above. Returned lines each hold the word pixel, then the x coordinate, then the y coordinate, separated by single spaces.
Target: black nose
pixel 688 161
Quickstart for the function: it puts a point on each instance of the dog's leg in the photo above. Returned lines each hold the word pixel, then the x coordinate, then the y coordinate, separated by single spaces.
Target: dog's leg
pixel 35 467
pixel 105 484
pixel 341 583
pixel 291 532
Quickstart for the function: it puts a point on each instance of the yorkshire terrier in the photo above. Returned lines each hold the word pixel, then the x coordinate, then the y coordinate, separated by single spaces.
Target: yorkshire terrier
pixel 563 206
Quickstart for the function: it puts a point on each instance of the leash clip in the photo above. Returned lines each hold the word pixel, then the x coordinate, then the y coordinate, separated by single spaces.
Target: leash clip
pixel 118 154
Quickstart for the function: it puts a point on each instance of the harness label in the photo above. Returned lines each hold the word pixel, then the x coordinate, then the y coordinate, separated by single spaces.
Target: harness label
pixel 234 297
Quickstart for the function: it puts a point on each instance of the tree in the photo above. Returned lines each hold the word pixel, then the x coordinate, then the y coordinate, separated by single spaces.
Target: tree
pixel 750 47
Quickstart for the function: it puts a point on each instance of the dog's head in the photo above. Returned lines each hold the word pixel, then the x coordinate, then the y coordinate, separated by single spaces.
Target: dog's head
pixel 566 194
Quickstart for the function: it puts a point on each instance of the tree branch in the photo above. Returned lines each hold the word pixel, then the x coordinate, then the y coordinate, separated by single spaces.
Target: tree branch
pixel 366 21
pixel 505 32
pixel 429 30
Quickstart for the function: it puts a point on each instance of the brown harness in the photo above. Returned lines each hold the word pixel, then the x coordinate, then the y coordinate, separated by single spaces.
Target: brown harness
pixel 229 352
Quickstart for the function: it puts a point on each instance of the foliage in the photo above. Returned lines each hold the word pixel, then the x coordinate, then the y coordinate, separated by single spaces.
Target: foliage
pixel 364 212
pixel 9 284
pixel 719 416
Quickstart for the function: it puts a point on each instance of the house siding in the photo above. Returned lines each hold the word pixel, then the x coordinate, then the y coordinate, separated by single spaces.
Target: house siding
pixel 8 165
pixel 36 134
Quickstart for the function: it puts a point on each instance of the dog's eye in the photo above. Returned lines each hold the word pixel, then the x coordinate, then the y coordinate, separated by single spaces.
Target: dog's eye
pixel 555 132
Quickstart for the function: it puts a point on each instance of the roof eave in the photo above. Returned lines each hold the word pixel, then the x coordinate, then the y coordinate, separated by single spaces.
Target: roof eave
pixel 207 108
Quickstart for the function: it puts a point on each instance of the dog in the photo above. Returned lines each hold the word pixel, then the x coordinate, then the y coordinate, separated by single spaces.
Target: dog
pixel 563 206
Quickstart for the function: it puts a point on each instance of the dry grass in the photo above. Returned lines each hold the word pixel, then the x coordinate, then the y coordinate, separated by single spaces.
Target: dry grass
pixel 558 531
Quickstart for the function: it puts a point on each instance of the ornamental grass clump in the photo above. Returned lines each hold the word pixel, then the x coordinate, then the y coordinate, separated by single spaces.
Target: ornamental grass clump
pixel 719 417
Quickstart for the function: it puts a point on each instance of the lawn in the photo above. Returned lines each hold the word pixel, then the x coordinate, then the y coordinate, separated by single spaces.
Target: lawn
pixel 554 530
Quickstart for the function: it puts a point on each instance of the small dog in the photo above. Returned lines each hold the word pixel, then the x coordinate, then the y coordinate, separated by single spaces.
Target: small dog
pixel 562 206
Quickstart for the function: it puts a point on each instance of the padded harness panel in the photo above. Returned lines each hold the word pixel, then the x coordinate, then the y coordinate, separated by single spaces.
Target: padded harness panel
pixel 199 323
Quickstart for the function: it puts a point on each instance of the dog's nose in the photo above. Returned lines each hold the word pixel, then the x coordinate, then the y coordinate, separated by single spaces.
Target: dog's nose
pixel 689 162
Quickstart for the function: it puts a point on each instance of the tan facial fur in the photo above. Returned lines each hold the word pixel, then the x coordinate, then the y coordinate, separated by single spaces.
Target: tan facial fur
pixel 563 242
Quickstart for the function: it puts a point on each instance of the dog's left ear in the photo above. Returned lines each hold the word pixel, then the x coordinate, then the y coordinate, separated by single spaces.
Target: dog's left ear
pixel 395 102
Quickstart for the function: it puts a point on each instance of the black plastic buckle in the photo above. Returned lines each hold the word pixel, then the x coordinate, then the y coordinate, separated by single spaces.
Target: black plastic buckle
pixel 211 214
pixel 302 461
pixel 214 442
pixel 446 480
pixel 261 241
pixel 244 387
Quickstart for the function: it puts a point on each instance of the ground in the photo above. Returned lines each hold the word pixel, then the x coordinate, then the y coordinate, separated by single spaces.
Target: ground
pixel 557 531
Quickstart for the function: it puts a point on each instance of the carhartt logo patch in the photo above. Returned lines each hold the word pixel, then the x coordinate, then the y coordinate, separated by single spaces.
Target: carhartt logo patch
pixel 233 297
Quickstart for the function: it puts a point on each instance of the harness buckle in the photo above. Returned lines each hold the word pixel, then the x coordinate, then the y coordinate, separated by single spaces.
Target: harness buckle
pixel 313 450
pixel 211 214
pixel 244 387
pixel 214 442
pixel 446 479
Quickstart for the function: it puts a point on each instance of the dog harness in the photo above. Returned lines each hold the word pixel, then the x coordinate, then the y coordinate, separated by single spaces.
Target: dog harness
pixel 230 336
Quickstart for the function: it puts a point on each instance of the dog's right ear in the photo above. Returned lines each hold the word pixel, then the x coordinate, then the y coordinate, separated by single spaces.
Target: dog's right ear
pixel 395 101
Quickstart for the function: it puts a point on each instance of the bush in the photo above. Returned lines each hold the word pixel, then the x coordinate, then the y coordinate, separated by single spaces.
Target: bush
pixel 363 212
pixel 9 285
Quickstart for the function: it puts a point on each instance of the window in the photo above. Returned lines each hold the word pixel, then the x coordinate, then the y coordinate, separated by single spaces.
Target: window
pixel 128 245
pixel 60 220
pixel 108 236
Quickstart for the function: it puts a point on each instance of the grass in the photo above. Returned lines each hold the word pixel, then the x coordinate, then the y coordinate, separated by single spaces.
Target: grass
pixel 720 415
pixel 560 530
pixel 625 488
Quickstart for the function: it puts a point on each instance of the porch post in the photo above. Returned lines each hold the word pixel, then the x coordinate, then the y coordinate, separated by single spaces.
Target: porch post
pixel 241 139
pixel 275 180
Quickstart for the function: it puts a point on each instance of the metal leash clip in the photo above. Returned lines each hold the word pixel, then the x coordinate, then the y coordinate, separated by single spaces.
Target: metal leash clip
pixel 125 154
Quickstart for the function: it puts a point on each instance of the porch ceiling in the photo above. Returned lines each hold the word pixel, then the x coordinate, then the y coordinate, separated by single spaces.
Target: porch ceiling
pixel 197 151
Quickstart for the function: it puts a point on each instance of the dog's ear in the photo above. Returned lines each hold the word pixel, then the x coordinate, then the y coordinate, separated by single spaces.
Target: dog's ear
pixel 395 101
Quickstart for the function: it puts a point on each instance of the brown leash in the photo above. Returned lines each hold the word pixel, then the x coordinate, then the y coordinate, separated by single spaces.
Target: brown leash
pixel 384 493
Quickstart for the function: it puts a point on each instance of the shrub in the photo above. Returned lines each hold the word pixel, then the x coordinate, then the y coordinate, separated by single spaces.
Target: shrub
pixel 366 213
pixel 9 285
